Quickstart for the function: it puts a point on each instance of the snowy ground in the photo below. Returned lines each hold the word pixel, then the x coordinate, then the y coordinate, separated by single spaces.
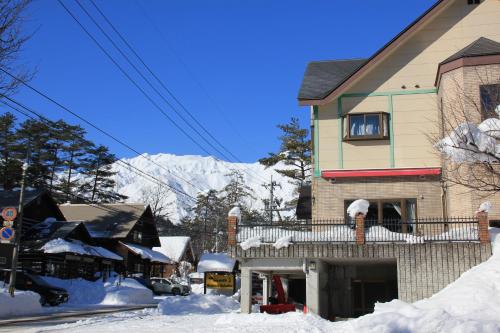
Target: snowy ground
pixel 471 304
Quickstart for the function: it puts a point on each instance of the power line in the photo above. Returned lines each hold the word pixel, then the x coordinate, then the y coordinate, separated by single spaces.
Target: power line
pixel 162 84
pixel 95 126
pixel 136 170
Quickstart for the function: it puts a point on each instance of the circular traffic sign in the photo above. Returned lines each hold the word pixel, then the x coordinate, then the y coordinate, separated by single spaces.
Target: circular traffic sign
pixel 7 233
pixel 9 213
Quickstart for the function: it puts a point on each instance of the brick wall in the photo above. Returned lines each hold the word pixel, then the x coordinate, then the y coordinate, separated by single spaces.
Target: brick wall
pixel 329 198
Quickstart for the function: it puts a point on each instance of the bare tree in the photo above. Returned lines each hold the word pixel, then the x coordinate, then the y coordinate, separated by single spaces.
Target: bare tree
pixel 469 130
pixel 157 198
pixel 12 40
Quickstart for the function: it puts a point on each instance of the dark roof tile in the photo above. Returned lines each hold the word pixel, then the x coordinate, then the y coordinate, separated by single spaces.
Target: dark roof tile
pixel 480 47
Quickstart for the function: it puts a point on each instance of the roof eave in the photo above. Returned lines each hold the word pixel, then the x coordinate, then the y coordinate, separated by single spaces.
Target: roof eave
pixel 386 50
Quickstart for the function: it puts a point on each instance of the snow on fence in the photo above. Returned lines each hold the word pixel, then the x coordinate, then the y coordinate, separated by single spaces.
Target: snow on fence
pixel 338 231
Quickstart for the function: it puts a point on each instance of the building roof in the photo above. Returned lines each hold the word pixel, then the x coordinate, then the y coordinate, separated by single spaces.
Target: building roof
pixel 304 204
pixel 51 229
pixel 105 220
pixel 322 77
pixel 147 253
pixel 215 262
pixel 11 198
pixel 174 247
pixel 358 71
pixel 480 47
pixel 60 245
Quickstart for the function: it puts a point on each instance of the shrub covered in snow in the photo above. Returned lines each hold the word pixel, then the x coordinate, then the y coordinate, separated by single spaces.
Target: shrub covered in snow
pixel 198 304
pixel 24 303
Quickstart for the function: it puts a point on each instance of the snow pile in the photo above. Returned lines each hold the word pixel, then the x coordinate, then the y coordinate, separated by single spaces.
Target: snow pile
pixel 329 233
pixel 282 242
pixel 235 212
pixel 473 143
pixel 215 262
pixel 470 304
pixel 23 303
pixel 129 291
pixel 204 172
pixel 251 242
pixel 113 292
pixel 147 253
pixel 484 207
pixel 198 304
pixel 59 245
pixel 358 206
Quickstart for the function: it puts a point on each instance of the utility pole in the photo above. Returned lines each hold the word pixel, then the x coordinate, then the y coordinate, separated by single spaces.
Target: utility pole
pixel 271 205
pixel 19 228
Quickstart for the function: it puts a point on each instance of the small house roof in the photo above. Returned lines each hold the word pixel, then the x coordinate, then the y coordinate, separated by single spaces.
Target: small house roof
pixel 174 247
pixel 216 262
pixel 322 77
pixel 60 245
pixel 11 199
pixel 480 47
pixel 147 253
pixel 105 220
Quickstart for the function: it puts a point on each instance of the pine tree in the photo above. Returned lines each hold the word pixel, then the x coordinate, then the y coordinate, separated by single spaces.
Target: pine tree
pixel 97 169
pixel 236 192
pixel 295 151
pixel 35 136
pixel 10 165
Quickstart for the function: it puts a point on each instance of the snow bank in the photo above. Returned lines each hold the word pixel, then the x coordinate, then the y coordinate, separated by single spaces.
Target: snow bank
pixel 215 262
pixel 470 304
pixel 198 304
pixel 251 242
pixel 282 242
pixel 23 303
pixel 84 292
pixel 358 206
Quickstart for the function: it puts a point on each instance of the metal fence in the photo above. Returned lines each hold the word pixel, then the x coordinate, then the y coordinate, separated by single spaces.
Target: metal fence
pixel 342 231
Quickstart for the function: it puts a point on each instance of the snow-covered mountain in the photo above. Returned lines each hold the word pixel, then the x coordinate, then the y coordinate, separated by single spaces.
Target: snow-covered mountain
pixel 203 173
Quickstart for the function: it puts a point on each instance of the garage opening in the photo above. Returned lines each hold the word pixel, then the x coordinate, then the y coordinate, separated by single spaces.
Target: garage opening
pixel 355 288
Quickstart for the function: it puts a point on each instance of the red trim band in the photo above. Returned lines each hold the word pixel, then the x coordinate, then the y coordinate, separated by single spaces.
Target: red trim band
pixel 381 173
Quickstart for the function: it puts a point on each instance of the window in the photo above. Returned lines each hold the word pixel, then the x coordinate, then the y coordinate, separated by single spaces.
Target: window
pixel 490 100
pixel 473 2
pixel 366 126
pixel 387 212
pixel 137 236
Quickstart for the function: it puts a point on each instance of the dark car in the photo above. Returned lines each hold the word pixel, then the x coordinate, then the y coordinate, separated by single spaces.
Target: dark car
pixel 49 294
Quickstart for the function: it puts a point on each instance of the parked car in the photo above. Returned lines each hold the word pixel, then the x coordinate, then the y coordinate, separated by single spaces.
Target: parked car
pixel 166 286
pixel 49 294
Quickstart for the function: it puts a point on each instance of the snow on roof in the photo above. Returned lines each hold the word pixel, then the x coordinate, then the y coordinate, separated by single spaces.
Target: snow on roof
pixel 147 253
pixel 173 247
pixel 216 262
pixel 60 245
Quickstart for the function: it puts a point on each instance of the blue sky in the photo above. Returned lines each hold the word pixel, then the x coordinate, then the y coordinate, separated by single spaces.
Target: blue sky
pixel 235 65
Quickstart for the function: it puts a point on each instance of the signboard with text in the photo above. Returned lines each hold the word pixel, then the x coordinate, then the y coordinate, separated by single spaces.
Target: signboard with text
pixel 219 280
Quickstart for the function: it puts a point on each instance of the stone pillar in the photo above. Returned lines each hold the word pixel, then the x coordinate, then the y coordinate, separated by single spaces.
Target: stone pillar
pixel 246 290
pixel 360 228
pixel 483 224
pixel 233 218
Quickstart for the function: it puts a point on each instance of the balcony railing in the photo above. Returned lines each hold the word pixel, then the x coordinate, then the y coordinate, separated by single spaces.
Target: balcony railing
pixel 340 231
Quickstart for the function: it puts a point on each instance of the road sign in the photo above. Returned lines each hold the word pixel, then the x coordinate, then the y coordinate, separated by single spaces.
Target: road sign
pixel 6 233
pixel 8 224
pixel 9 213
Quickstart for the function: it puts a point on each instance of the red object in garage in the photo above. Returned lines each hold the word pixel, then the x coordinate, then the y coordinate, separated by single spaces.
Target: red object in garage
pixel 282 306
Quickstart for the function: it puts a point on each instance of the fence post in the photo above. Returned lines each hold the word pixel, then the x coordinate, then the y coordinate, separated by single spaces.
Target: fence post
pixel 233 218
pixel 360 228
pixel 483 224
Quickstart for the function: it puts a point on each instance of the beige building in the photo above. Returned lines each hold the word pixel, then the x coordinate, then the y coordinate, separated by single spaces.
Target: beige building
pixel 374 124
pixel 374 120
